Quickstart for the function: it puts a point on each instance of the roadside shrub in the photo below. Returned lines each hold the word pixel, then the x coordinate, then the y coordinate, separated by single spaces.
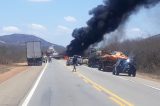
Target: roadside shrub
pixel 145 51
pixel 12 54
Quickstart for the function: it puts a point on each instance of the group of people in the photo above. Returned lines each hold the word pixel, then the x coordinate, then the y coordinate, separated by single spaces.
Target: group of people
pixel 47 58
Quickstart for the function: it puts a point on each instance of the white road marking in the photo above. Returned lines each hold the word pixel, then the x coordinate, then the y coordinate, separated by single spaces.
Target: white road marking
pixel 152 87
pixel 140 83
pixel 28 98
pixel 123 78
pixel 136 82
pixel 127 79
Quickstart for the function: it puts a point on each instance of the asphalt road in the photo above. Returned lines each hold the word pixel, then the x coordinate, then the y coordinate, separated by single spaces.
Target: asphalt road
pixel 59 86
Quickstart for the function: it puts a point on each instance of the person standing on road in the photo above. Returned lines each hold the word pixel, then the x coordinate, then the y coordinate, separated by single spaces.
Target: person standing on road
pixel 74 63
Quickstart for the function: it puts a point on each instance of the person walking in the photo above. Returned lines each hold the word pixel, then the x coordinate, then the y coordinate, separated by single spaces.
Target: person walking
pixel 74 63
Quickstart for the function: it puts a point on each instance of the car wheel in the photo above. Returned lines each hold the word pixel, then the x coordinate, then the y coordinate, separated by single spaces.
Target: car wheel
pixel 116 72
pixel 134 74
pixel 99 68
pixel 67 64
pixel 129 74
pixel 113 72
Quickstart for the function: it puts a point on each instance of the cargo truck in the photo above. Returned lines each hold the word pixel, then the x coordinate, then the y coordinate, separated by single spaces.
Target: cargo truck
pixel 34 53
pixel 103 60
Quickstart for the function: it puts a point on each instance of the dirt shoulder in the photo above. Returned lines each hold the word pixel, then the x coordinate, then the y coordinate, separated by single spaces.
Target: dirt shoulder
pixel 20 80
pixel 8 71
pixel 147 76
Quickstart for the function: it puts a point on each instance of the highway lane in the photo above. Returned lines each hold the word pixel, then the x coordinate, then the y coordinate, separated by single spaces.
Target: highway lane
pixel 134 90
pixel 137 91
pixel 90 87
pixel 61 87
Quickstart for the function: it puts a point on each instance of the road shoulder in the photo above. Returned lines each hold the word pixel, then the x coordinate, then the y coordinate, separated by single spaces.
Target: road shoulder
pixel 13 90
pixel 9 71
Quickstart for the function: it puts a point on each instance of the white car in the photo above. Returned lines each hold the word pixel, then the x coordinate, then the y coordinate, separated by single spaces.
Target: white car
pixel 79 60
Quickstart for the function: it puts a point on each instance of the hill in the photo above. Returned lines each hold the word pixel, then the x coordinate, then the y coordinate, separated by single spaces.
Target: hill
pixel 20 39
pixel 154 37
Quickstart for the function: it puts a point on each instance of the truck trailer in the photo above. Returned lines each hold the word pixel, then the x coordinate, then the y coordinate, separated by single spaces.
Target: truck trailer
pixel 34 53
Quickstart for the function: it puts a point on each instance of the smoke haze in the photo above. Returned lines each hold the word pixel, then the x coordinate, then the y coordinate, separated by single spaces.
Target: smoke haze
pixel 105 19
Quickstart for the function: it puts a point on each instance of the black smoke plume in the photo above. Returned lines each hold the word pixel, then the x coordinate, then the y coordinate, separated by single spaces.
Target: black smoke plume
pixel 106 18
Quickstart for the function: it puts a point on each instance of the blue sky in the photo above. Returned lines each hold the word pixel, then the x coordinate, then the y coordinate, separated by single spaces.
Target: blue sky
pixel 54 20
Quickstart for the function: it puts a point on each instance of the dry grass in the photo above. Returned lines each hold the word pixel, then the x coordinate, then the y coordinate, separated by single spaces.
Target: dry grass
pixel 152 77
pixel 146 53
pixel 8 71
pixel 4 68
pixel 12 54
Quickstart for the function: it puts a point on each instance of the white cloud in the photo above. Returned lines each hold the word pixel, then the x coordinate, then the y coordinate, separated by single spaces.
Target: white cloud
pixel 38 27
pixel 70 19
pixel 38 30
pixel 63 29
pixel 135 30
pixel 11 29
pixel 39 0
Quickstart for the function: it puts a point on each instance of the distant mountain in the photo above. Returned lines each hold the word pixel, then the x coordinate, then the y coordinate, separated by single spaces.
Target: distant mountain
pixel 21 39
pixel 154 37
pixel 2 42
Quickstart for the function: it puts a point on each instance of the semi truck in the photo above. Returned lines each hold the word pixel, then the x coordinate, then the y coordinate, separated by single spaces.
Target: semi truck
pixel 34 53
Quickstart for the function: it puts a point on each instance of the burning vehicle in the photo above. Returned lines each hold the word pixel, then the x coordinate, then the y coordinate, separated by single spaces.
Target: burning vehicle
pixel 125 66
pixel 104 60
pixel 93 59
pixel 107 61
pixel 114 56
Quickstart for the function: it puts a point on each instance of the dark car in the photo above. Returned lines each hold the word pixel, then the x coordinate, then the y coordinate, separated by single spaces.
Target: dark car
pixel 125 66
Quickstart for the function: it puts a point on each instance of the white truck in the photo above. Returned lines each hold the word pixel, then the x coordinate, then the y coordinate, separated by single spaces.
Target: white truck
pixel 34 53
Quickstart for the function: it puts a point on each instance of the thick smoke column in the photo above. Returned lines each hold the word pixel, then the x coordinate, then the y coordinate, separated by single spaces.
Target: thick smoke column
pixel 106 18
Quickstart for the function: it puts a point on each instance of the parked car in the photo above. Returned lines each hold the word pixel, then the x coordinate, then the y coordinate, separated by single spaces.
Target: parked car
pixel 69 61
pixel 85 60
pixel 79 60
pixel 125 66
